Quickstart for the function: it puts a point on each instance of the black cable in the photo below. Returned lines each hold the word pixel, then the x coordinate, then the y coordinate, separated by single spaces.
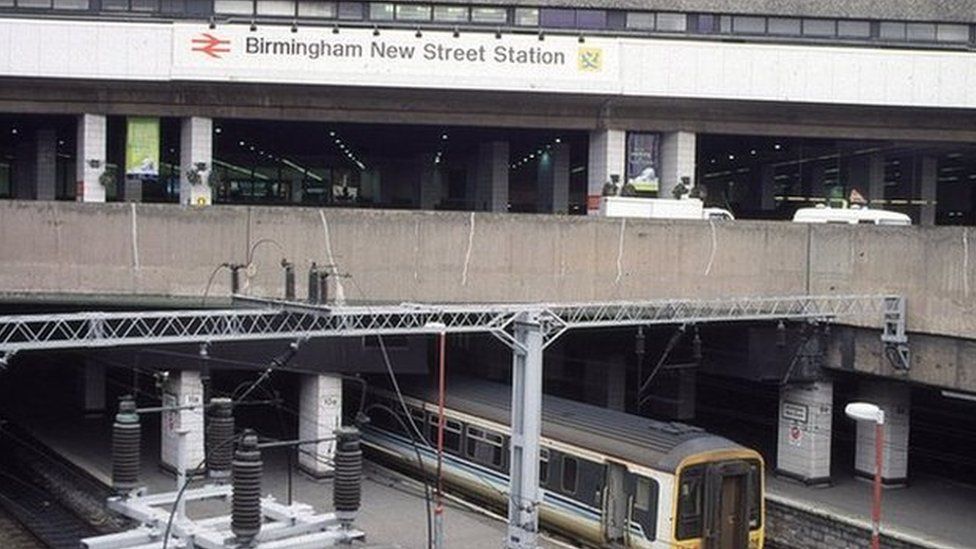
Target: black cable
pixel 420 463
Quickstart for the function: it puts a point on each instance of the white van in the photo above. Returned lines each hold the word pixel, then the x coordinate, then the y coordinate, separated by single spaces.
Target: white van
pixel 851 216
pixel 660 208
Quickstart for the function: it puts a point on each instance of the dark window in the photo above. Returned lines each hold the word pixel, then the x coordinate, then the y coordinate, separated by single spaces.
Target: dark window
pixel 690 493
pixel 350 10
pixel 616 20
pixel 485 446
pixel 570 466
pixel 543 465
pixel 591 19
pixel 557 18
pixel 705 23
pixel 452 432
pixel 892 31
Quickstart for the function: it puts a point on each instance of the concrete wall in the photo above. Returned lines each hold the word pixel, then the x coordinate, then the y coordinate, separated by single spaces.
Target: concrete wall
pixel 939 361
pixel 135 252
pixel 795 525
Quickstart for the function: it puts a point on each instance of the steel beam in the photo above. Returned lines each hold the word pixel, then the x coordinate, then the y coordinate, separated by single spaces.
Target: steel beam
pixel 270 319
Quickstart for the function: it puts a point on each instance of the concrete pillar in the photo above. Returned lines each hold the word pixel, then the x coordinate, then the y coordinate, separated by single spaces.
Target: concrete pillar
pixel 196 156
pixel 553 179
pixel 803 449
pixel 677 160
pixel 183 388
pixel 767 192
pixel 320 413
pixel 46 164
pixel 492 190
pixel 606 159
pixel 895 400
pixel 93 388
pixel 90 158
pixel 431 182
pixel 928 178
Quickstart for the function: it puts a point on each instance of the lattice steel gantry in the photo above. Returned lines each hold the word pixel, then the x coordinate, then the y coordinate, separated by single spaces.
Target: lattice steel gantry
pixel 528 328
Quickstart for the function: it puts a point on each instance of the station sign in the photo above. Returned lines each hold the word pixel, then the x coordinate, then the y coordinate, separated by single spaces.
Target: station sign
pixel 360 56
pixel 795 412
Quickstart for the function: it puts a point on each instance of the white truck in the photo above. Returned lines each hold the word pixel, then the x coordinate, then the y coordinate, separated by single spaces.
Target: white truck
pixel 659 208
pixel 850 216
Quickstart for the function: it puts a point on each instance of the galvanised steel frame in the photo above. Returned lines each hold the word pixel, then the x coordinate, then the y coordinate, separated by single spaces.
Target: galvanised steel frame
pixel 262 319
pixel 527 328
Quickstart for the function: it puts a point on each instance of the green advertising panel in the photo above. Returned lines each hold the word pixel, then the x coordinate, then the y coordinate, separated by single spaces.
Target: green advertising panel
pixel 142 147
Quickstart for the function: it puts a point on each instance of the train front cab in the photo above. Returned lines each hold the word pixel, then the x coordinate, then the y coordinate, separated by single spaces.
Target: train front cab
pixel 718 501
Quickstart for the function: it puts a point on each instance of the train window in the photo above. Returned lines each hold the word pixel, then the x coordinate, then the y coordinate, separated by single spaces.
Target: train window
pixel 672 22
pixel 642 497
pixel 452 432
pixel 570 466
pixel 690 502
pixel 543 465
pixel 527 17
pixel 485 446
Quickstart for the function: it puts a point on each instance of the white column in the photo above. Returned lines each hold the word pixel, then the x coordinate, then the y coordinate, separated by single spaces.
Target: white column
pixel 895 400
pixel 492 190
pixel 677 161
pixel 606 159
pixel 320 408
pixel 93 388
pixel 45 164
pixel 553 179
pixel 431 183
pixel 196 155
pixel 90 160
pixel 183 388
pixel 803 449
pixel 928 178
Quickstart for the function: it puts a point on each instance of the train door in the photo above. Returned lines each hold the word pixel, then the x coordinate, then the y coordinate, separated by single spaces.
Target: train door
pixel 727 506
pixel 616 503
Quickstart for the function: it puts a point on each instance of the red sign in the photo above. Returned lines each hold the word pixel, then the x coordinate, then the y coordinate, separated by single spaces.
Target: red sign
pixel 211 45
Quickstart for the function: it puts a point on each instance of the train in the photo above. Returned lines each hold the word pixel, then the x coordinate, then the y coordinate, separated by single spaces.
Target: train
pixel 608 479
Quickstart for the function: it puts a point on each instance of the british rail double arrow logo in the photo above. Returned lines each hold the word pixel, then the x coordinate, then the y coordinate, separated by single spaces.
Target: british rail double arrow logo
pixel 211 45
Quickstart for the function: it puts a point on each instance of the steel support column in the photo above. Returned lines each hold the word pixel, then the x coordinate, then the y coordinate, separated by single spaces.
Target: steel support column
pixel 523 501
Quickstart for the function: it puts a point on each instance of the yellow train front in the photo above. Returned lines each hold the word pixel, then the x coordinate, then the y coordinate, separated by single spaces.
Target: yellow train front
pixel 609 479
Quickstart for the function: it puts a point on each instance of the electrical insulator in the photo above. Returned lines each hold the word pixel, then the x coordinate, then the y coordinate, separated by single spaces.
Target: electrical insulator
pixel 313 284
pixel 235 279
pixel 245 521
pixel 640 344
pixel 323 287
pixel 347 492
pixel 289 280
pixel 220 438
pixel 126 435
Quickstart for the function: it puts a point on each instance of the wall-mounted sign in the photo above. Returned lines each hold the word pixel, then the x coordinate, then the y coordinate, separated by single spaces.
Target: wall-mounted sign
pixel 358 56
pixel 643 151
pixel 142 147
pixel 795 412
